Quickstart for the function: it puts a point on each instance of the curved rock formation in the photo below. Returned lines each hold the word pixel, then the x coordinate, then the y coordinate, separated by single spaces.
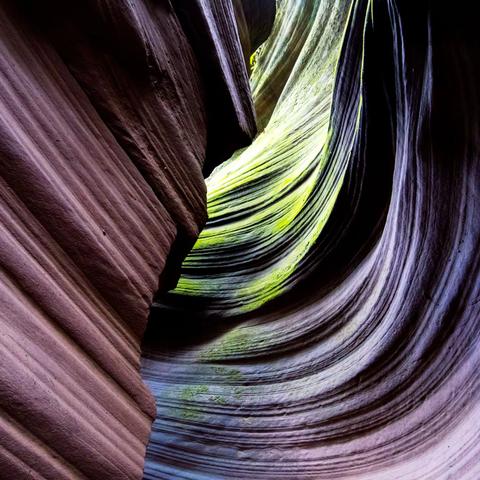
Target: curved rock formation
pixel 326 322
pixel 104 132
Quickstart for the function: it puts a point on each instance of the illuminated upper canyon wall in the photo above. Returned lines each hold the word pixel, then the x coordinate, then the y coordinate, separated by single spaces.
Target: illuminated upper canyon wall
pixel 109 112
pixel 326 323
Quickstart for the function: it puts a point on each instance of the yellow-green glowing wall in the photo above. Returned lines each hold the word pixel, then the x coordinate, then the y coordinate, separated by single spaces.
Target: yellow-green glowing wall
pixel 268 204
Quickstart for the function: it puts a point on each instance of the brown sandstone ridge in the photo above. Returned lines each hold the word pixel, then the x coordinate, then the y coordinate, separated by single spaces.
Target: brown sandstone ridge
pixel 107 118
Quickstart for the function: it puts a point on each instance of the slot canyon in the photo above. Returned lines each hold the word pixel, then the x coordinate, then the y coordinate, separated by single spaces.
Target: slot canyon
pixel 240 240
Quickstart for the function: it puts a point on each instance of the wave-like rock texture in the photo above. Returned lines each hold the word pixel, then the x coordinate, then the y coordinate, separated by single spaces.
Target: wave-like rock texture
pixel 104 132
pixel 326 325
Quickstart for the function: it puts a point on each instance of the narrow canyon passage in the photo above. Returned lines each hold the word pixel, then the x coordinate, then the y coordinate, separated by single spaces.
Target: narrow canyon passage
pixel 239 240
pixel 325 324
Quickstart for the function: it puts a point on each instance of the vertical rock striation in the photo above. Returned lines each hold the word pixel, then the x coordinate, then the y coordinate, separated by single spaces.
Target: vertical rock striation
pixel 104 132
pixel 211 27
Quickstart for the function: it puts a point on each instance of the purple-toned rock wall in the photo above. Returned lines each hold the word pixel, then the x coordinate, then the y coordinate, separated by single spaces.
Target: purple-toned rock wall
pixel 326 323
pixel 104 130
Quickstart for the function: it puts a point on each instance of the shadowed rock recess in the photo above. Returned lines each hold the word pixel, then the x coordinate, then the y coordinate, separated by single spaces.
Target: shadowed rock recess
pixel 324 323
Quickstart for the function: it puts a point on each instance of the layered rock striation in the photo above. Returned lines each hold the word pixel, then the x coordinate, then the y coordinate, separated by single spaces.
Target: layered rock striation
pixel 326 322
pixel 105 127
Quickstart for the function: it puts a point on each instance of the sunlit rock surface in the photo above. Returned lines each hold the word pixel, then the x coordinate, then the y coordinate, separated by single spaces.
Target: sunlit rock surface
pixel 326 324
pixel 104 131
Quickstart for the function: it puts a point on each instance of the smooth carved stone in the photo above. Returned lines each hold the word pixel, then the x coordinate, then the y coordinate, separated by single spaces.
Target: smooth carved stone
pixel 363 360
pixel 162 97
pixel 103 137
pixel 213 33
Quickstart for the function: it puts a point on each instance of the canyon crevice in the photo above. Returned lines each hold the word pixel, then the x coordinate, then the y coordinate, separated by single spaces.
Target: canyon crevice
pixel 240 240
